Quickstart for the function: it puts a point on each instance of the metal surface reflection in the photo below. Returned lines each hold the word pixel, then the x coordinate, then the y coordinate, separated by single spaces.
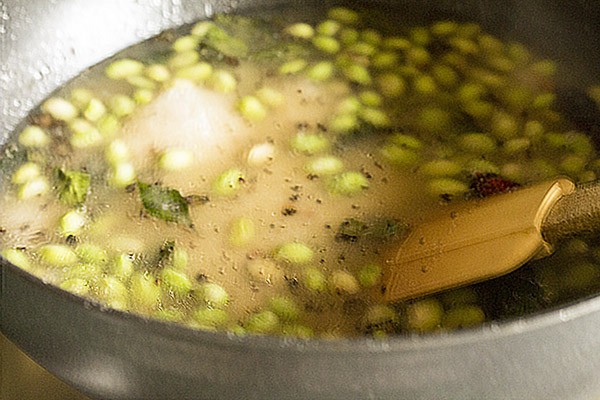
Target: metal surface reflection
pixel 23 379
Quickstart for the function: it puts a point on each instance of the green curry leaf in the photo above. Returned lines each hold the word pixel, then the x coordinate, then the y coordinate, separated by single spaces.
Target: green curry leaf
pixel 73 186
pixel 164 203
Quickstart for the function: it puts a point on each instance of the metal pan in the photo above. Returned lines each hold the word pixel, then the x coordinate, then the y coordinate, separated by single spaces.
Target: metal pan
pixel 112 355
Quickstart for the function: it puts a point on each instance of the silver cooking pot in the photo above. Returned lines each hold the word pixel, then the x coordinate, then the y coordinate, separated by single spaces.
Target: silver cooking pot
pixel 112 355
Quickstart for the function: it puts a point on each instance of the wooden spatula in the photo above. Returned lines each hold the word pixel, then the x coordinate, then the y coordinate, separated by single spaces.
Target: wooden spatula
pixel 481 239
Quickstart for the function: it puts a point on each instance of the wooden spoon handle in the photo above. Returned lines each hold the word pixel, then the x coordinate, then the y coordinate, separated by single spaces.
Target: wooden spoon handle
pixel 578 212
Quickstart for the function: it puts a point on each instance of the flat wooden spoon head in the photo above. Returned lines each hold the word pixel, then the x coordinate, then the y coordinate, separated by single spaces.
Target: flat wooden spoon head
pixel 473 241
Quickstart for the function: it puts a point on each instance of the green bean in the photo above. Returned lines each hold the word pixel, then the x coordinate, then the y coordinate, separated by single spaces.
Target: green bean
pixel 477 143
pixel 180 258
pixel 534 130
pixel 34 136
pixel 84 134
pixel 349 105
pixel 400 156
pixel 391 85
pixel 210 318
pixel 198 72
pixel 543 101
pixel 586 176
pixel 447 186
pixel 176 282
pixel 357 74
pixel 262 322
pixel 343 283
pixel 18 258
pixel 440 168
pixel 370 98
pixel 517 98
pixel 502 64
pixel 517 145
pixel 80 97
pixel 444 28
pixel 362 49
pixel 556 140
pixel 117 151
pixel 314 279
pixel 33 188
pixel 141 82
pixel 384 59
pixel 270 97
pixel 122 267
pixel 424 84
pixel 418 56
pixel 60 109
pixel 580 144
pixel 518 53
pixel 72 222
pixel 25 173
pixel 374 116
pixel 223 81
pixel 344 15
pixel 343 123
pixel 175 159
pixel 481 110
pixel 76 286
pixel 371 36
pixel 470 92
pixel 348 183
pixel 463 317
pixel 57 255
pixel 406 141
pixel 490 44
pixel 424 315
pixel 229 182
pixel 185 43
pixel 213 294
pixel 158 72
pixel 143 96
pixel 321 71
pixel 202 28
pixel 309 143
pixel 444 75
pixel 294 253
pixel 285 308
pixel 572 164
pixel 396 43
pixel 369 275
pixel 123 68
pixel 145 294
pixel 420 36
pixel 108 125
pixel 300 30
pixel 242 232
pixel 91 253
pixel 328 27
pixel 326 44
pixel 94 110
pixel 184 59
pixel 348 36
pixel 252 109
pixel 380 314
pixel 326 165
pixel 468 29
pixel 113 292
pixel 544 68
pixel 121 105
pixel 122 174
pixel 543 169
